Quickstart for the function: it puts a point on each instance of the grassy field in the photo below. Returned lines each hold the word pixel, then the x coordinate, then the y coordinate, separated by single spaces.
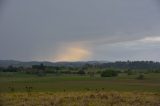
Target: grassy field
pixel 19 81
pixel 20 89
pixel 80 99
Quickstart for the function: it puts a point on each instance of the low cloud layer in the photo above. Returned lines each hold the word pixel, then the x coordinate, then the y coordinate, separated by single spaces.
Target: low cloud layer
pixel 50 29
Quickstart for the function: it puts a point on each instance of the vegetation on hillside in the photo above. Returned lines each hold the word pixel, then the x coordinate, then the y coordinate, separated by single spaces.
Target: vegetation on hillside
pixel 89 69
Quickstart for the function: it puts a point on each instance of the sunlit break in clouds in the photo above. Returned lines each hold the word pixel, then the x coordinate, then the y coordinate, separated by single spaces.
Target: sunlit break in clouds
pixel 73 54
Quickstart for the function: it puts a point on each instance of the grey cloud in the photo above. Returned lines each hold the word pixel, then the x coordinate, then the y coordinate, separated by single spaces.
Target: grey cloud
pixel 30 28
pixel 132 50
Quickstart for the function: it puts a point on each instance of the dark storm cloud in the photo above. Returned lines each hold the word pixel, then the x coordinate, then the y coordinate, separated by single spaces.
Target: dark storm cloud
pixel 35 28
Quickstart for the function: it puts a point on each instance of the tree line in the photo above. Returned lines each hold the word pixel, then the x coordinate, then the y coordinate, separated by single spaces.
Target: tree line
pixel 107 69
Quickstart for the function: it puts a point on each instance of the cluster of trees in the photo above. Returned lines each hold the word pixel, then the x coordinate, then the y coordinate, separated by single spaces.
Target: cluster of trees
pixel 10 69
pixel 140 65
pixel 109 73
pixel 105 70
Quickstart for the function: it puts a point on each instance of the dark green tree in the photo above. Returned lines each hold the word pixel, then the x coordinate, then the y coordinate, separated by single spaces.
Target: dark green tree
pixel 140 77
pixel 81 72
pixel 109 73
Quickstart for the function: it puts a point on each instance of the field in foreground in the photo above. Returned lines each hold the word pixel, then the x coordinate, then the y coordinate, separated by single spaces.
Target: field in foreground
pixel 19 89
pixel 80 99
pixel 17 82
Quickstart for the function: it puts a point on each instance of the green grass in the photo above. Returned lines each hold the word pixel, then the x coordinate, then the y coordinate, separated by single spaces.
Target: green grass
pixel 54 83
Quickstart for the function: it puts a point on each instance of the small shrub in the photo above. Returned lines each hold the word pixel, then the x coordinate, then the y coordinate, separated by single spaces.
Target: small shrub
pixel 109 73
pixel 81 72
pixel 11 89
pixel 41 73
pixel 140 77
pixel 91 73
pixel 28 89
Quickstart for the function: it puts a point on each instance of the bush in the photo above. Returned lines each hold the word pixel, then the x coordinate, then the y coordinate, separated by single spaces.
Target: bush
pixel 41 73
pixel 81 72
pixel 91 73
pixel 109 73
pixel 140 77
pixel 129 72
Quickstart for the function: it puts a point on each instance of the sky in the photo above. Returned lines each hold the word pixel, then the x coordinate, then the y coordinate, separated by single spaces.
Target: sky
pixel 79 30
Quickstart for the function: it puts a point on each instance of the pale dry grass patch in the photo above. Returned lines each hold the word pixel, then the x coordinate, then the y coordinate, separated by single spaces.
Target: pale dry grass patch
pixel 80 99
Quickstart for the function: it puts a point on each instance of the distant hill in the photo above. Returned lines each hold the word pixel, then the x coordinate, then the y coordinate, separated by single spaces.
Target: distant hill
pixel 145 65
pixel 15 63
pixel 6 63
